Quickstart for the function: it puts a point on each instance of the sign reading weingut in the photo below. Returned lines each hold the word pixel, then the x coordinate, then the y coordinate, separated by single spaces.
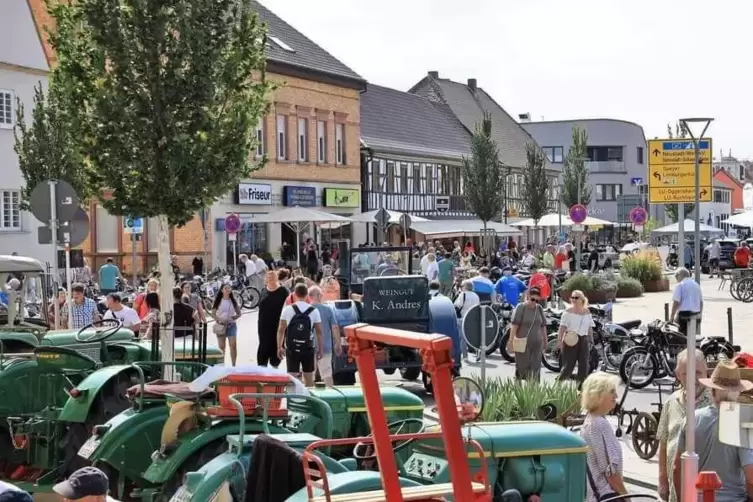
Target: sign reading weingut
pixel 395 299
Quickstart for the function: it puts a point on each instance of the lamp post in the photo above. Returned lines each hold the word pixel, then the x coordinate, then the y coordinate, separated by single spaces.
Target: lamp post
pixel 689 458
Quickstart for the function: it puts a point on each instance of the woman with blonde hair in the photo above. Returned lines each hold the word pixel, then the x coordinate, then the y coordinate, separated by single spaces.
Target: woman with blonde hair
pixel 575 337
pixel 604 460
pixel 139 305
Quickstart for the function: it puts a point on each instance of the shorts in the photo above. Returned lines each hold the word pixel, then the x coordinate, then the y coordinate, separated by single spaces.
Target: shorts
pixel 298 362
pixel 325 366
pixel 231 331
pixel 714 262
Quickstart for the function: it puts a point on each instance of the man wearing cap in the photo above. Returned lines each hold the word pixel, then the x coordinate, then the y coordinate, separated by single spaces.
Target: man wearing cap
pixel 87 484
pixel 9 493
pixel 733 464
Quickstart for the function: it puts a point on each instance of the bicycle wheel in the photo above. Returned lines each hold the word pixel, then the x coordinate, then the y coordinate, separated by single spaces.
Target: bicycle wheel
pixel 745 290
pixel 734 289
pixel 250 297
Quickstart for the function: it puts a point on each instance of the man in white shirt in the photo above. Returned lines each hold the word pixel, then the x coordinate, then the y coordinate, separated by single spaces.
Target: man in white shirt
pixel 295 336
pixel 425 261
pixel 260 272
pixel 687 301
pixel 248 266
pixel 714 250
pixel 432 271
pixel 116 310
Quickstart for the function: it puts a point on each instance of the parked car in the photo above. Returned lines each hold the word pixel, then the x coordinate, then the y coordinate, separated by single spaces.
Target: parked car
pixel 726 255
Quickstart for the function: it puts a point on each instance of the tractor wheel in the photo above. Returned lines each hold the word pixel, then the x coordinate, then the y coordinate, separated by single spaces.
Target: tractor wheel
pixel 194 463
pixel 410 374
pixel 111 401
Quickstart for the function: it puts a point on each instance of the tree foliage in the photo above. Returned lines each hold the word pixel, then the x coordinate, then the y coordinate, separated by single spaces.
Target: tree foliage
pixel 575 171
pixel 535 186
pixel 169 95
pixel 47 147
pixel 671 211
pixel 483 176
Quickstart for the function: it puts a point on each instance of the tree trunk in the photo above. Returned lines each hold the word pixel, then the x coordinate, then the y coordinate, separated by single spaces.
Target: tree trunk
pixel 166 335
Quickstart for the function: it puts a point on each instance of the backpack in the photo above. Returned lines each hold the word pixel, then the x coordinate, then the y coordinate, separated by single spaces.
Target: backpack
pixel 298 333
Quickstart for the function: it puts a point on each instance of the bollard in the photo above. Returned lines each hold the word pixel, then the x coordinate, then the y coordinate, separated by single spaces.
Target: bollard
pixel 708 482
pixel 666 312
pixel 730 334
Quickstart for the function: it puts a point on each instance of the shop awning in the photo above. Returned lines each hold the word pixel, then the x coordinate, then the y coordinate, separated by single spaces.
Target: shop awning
pixel 441 229
pixel 554 219
pixel 370 217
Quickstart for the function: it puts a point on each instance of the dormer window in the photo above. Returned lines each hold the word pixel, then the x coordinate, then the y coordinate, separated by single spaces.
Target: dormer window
pixel 282 45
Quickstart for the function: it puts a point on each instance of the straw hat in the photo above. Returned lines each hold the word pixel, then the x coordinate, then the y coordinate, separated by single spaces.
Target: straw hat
pixel 726 376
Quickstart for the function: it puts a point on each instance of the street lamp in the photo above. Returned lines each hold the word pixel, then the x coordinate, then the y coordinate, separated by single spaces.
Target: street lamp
pixel 689 458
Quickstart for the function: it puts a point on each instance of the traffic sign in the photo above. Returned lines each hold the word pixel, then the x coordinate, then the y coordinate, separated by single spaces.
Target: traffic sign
pixel 578 228
pixel 472 324
pixel 66 202
pixel 671 171
pixel 442 203
pixel 133 225
pixel 405 221
pixel 638 216
pixel 578 213
pixel 232 223
pixel 382 218
pixel 636 182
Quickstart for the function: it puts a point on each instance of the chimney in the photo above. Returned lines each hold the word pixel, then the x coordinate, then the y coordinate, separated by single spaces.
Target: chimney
pixel 434 74
pixel 524 118
pixel 472 84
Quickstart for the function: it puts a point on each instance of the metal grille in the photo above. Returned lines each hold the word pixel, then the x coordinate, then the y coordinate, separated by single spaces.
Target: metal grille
pixel 92 350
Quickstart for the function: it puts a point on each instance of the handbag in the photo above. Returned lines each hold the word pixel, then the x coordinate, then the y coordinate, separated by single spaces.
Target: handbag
pixel 571 338
pixel 519 344
pixel 219 329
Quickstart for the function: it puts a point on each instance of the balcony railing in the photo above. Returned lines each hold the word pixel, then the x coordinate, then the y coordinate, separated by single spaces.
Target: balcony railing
pixel 606 166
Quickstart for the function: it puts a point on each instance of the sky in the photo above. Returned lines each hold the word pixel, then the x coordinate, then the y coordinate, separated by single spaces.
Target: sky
pixel 649 62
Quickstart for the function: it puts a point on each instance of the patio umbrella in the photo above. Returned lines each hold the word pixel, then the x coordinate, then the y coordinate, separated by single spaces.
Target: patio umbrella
pixel 689 226
pixel 440 229
pixel 297 218
pixel 741 219
pixel 370 217
pixel 553 220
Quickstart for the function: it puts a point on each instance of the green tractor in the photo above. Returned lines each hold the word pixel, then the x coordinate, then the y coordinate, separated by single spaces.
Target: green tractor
pixel 170 431
pixel 56 385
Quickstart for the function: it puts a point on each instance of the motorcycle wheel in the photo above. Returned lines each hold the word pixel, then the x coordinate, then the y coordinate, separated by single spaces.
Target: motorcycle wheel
pixel 507 356
pixel 637 356
pixel 551 356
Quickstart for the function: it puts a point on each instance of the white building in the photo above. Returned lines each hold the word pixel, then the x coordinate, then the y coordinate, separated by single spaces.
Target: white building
pixel 719 209
pixel 23 64
pixel 740 169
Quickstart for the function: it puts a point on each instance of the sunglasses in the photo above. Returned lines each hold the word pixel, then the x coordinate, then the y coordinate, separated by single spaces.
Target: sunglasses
pixel 576 297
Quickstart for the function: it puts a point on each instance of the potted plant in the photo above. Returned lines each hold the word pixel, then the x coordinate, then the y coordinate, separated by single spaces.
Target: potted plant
pixel 598 288
pixel 644 268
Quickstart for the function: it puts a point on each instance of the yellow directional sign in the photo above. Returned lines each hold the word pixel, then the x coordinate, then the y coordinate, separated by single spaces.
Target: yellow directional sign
pixel 671 171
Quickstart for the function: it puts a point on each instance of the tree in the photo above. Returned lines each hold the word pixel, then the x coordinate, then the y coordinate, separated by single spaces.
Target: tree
pixel 47 148
pixel 680 132
pixel 535 186
pixel 169 95
pixel 575 172
pixel 483 176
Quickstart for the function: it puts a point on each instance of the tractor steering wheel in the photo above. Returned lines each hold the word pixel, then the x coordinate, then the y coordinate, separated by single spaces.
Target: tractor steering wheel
pixel 99 336
pixel 366 451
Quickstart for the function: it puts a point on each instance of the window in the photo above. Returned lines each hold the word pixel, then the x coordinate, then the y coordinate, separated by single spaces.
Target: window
pixel 303 140
pixel 107 231
pixel 340 144
pixel 406 184
pixel 554 154
pixel 6 109
pixel 282 150
pixel 390 177
pixel 639 153
pixel 604 153
pixel 722 196
pixel 416 178
pixel 10 210
pixel 614 153
pixel 282 45
pixel 608 192
pixel 741 175
pixel 321 141
pixel 260 138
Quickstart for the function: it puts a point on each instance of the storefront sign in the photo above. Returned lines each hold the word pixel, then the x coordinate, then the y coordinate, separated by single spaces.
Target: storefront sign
pixel 254 194
pixel 341 197
pixel 299 196
pixel 395 299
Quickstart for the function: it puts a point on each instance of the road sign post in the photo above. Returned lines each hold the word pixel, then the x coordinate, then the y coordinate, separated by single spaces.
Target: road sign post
pixel 578 214
pixel 232 227
pixel 134 226
pixel 480 328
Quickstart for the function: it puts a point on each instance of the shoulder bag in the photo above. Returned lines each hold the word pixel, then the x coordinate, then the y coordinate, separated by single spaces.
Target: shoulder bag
pixel 519 344
pixel 571 337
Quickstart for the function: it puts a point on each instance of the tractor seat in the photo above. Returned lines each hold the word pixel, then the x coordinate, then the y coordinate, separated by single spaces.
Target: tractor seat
pixel 163 388
pixel 632 324
pixel 423 492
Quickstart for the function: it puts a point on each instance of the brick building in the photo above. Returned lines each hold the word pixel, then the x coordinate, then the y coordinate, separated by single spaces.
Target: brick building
pixel 311 137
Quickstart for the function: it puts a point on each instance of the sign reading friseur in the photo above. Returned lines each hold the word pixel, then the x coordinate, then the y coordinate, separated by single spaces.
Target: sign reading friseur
pixel 254 194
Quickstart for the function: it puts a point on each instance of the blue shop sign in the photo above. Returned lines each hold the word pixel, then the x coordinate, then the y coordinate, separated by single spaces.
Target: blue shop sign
pixel 299 196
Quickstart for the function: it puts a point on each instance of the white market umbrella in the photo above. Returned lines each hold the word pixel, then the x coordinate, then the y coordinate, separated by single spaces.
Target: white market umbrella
pixel 689 226
pixel 370 217
pixel 442 229
pixel 298 218
pixel 553 220
pixel 741 219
